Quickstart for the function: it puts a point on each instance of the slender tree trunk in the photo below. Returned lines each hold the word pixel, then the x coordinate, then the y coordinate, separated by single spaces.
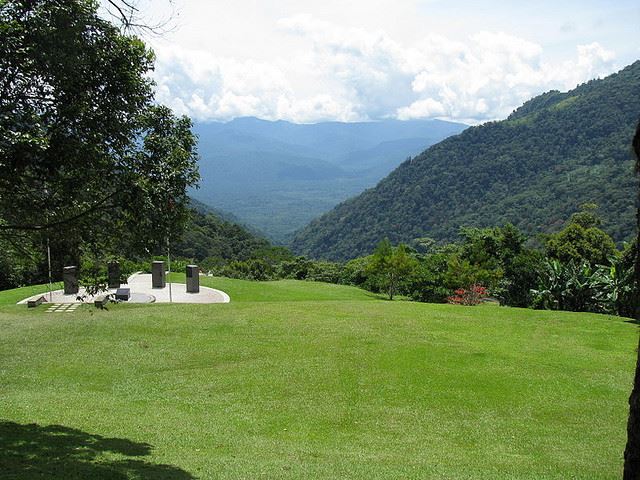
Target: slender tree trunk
pixel 632 450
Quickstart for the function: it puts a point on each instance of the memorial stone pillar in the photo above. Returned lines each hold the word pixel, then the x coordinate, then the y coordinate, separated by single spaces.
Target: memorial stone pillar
pixel 70 279
pixel 158 275
pixel 113 274
pixel 193 279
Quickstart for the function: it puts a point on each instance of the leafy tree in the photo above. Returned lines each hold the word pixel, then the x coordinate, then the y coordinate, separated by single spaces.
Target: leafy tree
pixel 330 272
pixel 428 281
pixel 84 152
pixel 587 217
pixel 253 269
pixel 391 266
pixel 356 272
pixel 297 268
pixel 463 273
pixel 582 240
pixel 521 275
pixel 502 250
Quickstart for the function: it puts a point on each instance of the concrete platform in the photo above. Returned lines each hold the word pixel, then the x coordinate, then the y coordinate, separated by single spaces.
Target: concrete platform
pixel 142 292
pixel 141 282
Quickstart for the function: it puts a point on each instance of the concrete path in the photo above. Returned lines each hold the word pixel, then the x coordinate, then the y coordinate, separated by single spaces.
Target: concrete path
pixel 142 292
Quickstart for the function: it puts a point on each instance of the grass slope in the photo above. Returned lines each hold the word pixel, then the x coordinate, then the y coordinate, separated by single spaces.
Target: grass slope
pixel 306 380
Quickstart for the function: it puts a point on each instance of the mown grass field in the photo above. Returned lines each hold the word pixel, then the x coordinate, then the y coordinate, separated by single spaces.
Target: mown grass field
pixel 306 380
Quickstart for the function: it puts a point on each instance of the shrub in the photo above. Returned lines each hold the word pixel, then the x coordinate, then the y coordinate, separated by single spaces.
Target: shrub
pixel 471 296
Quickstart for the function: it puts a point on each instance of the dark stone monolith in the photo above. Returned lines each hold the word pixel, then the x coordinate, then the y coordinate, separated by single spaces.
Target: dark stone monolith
pixel 113 274
pixel 193 279
pixel 158 274
pixel 70 279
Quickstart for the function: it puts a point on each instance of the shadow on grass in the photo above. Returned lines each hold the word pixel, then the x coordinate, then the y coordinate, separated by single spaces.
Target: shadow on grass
pixel 36 452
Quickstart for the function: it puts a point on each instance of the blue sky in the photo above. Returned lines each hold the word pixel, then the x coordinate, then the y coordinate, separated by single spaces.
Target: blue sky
pixel 305 61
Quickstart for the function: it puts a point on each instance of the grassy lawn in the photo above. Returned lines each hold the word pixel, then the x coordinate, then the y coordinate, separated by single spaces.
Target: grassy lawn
pixel 308 380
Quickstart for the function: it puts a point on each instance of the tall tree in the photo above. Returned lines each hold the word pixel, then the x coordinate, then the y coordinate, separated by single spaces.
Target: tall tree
pixel 582 240
pixel 391 266
pixel 632 449
pixel 84 152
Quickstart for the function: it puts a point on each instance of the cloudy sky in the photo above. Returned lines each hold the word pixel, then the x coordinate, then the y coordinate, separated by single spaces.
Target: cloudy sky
pixel 357 60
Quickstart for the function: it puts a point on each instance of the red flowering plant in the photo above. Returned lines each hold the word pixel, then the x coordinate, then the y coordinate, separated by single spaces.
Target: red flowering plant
pixel 471 296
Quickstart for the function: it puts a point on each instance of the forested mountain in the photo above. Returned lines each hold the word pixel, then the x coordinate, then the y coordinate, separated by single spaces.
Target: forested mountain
pixel 533 169
pixel 277 176
pixel 216 236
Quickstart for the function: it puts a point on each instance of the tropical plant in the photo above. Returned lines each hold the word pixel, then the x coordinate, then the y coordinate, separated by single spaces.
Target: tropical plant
pixel 578 286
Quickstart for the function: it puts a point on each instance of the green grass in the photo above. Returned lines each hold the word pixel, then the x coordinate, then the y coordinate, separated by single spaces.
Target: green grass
pixel 10 297
pixel 282 290
pixel 308 380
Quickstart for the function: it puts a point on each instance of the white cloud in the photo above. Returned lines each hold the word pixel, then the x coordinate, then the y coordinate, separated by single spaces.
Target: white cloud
pixel 425 108
pixel 352 74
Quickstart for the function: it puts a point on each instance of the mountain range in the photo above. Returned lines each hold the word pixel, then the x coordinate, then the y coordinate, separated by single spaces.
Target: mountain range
pixel 533 169
pixel 278 176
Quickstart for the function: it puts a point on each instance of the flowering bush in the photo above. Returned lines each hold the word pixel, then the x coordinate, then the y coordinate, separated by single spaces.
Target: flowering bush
pixel 471 296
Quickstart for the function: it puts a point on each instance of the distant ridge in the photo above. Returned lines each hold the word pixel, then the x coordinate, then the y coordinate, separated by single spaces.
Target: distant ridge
pixel 533 169
pixel 277 176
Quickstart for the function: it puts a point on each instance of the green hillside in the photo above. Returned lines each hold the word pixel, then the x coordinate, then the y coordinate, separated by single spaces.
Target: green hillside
pixel 308 380
pixel 533 169
pixel 278 176
pixel 214 234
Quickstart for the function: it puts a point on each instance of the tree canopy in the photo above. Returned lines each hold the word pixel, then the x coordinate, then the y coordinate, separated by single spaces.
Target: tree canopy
pixel 84 151
pixel 582 240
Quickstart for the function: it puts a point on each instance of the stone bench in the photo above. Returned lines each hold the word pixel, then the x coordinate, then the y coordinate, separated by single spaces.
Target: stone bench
pixel 34 303
pixel 101 301
pixel 123 294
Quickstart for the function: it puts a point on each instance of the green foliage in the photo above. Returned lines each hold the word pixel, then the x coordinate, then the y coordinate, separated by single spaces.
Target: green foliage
pixel 253 269
pixel 587 217
pixel 582 240
pixel 580 287
pixel 162 171
pixel 390 267
pixel 355 272
pixel 531 170
pixel 330 272
pixel 463 273
pixel 87 159
pixel 212 242
pixel 521 275
pixel 21 263
pixel 429 280
pixel 295 269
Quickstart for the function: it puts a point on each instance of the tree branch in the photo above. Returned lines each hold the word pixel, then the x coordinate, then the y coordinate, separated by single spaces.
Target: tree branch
pixel 46 226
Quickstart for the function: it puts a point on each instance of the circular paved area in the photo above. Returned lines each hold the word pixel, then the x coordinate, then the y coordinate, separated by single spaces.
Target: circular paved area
pixel 142 292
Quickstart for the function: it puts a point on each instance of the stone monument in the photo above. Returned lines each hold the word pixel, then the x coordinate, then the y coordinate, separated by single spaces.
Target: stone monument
pixel 113 274
pixel 193 279
pixel 158 279
pixel 70 278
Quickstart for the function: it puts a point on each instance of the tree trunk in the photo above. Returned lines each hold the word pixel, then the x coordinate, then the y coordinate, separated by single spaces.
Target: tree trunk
pixel 392 286
pixel 632 450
